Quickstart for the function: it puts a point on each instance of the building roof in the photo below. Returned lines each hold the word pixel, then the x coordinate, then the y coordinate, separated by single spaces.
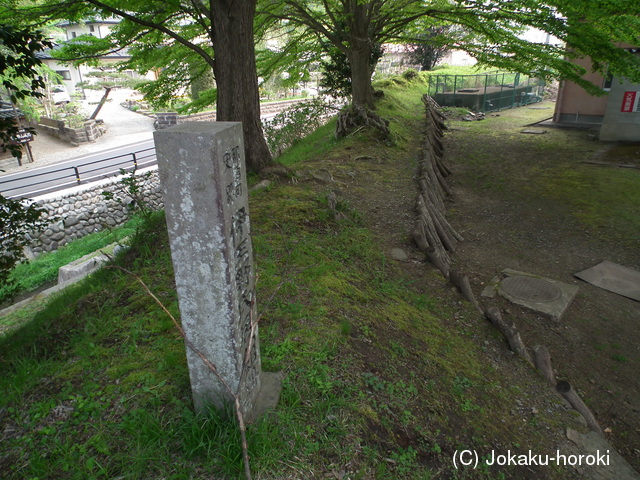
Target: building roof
pixel 7 111
pixel 94 21
pixel 47 54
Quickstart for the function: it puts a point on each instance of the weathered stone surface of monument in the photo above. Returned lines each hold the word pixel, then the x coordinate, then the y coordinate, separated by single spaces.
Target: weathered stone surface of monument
pixel 201 168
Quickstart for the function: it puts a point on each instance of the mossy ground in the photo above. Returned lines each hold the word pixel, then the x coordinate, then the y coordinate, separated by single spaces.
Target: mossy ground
pixel 388 371
pixel 554 204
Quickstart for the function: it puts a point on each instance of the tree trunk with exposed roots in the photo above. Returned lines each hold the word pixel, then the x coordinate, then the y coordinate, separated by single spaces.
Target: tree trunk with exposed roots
pixel 358 50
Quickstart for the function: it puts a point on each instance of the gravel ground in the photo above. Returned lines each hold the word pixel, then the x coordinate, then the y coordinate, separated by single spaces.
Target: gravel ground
pixel 123 127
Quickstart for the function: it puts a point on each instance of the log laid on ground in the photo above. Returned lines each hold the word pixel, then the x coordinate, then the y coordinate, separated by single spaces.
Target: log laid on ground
pixel 428 236
pixel 543 363
pixel 565 389
pixel 440 234
pixel 433 171
pixel 444 170
pixel 461 282
pixel 438 258
pixel 431 192
pixel 510 332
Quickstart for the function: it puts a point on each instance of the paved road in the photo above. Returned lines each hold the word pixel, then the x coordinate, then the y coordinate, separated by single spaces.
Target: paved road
pixel 126 132
pixel 88 168
pixel 58 165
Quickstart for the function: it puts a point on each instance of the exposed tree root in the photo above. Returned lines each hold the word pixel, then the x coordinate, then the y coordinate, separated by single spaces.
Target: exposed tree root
pixel 355 117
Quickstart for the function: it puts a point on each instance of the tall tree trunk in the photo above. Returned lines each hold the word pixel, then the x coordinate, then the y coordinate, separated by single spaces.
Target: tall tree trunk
pixel 359 49
pixel 359 56
pixel 359 53
pixel 236 76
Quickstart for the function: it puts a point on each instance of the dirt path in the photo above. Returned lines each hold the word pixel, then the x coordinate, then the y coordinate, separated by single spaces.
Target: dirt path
pixel 508 225
pixel 596 345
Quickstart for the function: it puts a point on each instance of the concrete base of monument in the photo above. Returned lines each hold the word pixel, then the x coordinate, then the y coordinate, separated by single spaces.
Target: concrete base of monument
pixel 269 395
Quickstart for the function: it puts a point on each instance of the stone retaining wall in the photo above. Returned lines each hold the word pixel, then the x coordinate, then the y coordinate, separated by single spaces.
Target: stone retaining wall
pixel 87 211
pixel 90 132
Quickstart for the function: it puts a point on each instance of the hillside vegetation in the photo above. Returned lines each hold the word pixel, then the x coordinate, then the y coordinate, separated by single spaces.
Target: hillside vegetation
pixel 388 372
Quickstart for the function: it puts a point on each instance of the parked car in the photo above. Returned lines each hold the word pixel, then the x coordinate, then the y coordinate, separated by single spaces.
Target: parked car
pixel 59 95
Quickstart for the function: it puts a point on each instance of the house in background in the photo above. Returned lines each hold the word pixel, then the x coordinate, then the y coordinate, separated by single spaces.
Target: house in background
pixel 71 75
pixel 397 58
pixel 617 114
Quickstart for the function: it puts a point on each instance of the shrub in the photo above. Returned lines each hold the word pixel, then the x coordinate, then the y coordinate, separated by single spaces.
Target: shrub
pixel 294 123
pixel 410 74
pixel 17 221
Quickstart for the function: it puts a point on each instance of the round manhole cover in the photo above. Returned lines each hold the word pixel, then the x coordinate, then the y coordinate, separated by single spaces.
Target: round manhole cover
pixel 531 289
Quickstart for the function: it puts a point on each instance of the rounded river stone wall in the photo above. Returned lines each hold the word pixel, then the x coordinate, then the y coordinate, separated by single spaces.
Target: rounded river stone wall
pixel 77 214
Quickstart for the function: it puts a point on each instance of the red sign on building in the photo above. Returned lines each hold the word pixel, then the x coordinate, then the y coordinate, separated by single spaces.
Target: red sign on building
pixel 629 101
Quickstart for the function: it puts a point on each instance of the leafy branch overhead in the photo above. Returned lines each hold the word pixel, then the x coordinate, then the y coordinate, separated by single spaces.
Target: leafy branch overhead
pixel 185 41
pixel 489 31
pixel 18 61
pixel 176 40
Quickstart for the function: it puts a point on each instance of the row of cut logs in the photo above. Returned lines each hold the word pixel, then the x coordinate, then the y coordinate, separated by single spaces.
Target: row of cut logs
pixel 543 364
pixel 437 239
pixel 433 234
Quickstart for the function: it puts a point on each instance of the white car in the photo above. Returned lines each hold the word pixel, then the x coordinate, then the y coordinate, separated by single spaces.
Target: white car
pixel 59 94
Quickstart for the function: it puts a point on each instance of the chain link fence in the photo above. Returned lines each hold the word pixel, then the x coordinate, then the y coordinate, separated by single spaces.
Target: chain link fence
pixel 487 92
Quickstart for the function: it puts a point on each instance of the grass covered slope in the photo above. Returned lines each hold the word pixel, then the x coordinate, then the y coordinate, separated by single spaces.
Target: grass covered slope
pixel 388 372
pixel 42 271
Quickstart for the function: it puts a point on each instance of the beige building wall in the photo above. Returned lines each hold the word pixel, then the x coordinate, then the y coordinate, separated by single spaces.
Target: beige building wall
pixel 622 116
pixel 575 105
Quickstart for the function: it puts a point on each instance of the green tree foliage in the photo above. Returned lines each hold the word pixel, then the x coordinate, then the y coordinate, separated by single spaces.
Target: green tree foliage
pixel 430 47
pixel 489 31
pixel 19 75
pixel 173 38
pixel 17 220
pixel 294 123
pixel 202 79
pixel 336 79
pixel 20 78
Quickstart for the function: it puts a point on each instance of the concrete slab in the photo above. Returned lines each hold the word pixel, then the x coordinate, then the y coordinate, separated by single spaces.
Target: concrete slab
pixel 611 466
pixel 614 278
pixel 72 274
pixel 81 268
pixel 535 293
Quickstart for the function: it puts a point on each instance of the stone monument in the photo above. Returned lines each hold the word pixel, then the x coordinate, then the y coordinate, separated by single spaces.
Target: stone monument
pixel 202 172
